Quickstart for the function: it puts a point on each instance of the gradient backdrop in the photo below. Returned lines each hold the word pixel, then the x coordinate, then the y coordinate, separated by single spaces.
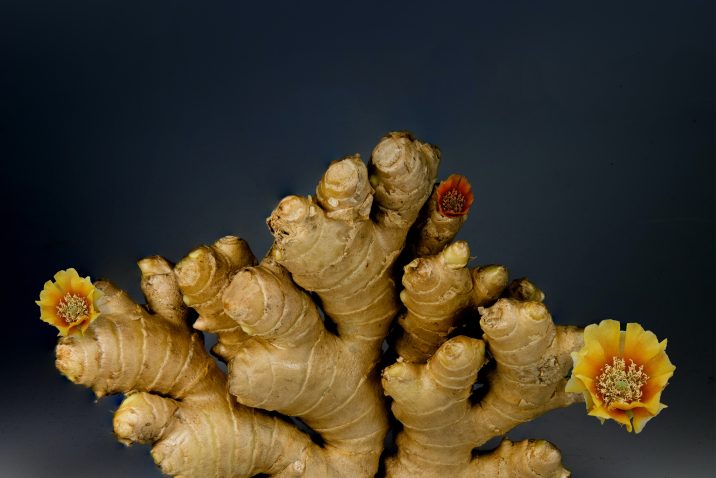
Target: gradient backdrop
pixel 136 128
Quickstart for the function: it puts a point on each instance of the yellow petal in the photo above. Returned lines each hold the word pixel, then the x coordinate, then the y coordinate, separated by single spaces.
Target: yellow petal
pixel 641 345
pixel 605 341
pixel 607 333
pixel 652 399
pixel 62 330
pixel 625 405
pixel 619 416
pixel 589 400
pixel 574 385
pixel 642 416
pixel 590 360
pixel 50 295
pixel 659 365
pixel 77 328
pixel 81 286
pixel 660 370
pixel 587 381
pixel 590 395
pixel 51 318
pixel 67 281
pixel 63 279
pixel 83 326
pixel 49 314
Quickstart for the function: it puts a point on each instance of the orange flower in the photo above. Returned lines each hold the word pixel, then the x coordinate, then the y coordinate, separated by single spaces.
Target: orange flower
pixel 454 196
pixel 68 302
pixel 621 374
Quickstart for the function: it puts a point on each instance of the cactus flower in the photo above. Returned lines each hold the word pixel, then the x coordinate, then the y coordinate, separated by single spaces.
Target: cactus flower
pixel 454 196
pixel 621 373
pixel 68 302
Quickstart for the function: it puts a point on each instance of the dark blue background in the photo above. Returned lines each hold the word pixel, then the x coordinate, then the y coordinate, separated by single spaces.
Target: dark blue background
pixel 586 128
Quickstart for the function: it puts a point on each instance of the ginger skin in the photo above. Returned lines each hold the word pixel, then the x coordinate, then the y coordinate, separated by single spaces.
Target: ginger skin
pixel 177 396
pixel 432 401
pixel 342 249
pixel 303 332
pixel 333 247
pixel 437 290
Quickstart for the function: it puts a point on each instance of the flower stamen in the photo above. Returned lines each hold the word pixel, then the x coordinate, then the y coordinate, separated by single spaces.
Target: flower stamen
pixel 73 308
pixel 454 196
pixel 453 202
pixel 618 383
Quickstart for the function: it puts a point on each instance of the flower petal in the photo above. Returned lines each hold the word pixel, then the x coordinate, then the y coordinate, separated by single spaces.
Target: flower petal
pixel 625 406
pixel 619 416
pixel 607 334
pixel 603 343
pixel 81 286
pixel 84 325
pixel 589 360
pixel 575 385
pixel 63 279
pixel 659 364
pixel 68 282
pixel 642 416
pixel 660 370
pixel 49 314
pixel 50 295
pixel 641 345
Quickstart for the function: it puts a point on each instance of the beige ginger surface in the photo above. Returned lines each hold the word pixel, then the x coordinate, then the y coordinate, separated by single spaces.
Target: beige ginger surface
pixel 305 333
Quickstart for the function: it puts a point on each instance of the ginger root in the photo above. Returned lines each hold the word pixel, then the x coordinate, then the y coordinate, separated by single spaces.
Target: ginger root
pixel 306 331
pixel 177 397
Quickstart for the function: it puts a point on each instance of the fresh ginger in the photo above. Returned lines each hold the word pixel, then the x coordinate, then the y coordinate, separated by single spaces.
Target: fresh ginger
pixel 441 427
pixel 177 397
pixel 306 331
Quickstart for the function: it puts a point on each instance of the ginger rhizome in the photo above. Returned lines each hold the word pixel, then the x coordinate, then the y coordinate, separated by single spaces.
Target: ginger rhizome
pixel 361 275
pixel 177 397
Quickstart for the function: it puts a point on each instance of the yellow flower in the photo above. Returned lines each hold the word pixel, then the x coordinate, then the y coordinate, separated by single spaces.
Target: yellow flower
pixel 621 373
pixel 68 302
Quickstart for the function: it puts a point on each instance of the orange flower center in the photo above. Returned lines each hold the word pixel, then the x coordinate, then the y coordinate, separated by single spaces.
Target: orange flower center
pixel 453 202
pixel 618 383
pixel 73 308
